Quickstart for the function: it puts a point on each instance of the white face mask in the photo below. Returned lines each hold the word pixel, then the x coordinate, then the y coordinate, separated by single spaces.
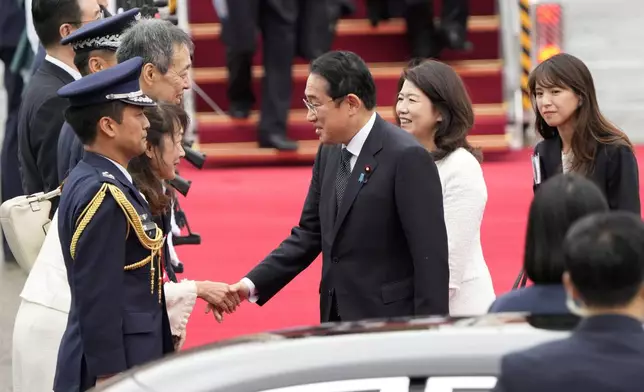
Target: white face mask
pixel 575 307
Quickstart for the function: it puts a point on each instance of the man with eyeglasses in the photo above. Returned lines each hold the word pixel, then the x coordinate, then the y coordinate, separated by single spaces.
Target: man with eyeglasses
pixel 41 114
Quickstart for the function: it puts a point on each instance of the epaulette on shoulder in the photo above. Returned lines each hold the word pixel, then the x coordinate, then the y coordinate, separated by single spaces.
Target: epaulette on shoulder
pixel 105 176
pixel 134 220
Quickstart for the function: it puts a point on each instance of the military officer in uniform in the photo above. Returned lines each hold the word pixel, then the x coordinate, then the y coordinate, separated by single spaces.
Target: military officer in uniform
pixel 111 247
pixel 95 47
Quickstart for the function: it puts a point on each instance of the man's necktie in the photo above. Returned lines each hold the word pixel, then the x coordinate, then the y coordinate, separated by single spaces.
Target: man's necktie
pixel 342 178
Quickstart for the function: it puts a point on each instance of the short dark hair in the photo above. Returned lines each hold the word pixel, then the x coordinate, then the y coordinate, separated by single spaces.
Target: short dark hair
pixel 84 120
pixel 49 15
pixel 604 255
pixel 445 89
pixel 346 73
pixel 165 119
pixel 81 59
pixel 557 204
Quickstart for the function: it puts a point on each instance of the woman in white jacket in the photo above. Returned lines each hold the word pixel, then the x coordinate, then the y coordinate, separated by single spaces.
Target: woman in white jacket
pixel 434 106
pixel 42 316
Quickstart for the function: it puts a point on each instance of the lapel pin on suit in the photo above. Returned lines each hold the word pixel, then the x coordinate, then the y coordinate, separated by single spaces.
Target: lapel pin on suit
pixel 365 175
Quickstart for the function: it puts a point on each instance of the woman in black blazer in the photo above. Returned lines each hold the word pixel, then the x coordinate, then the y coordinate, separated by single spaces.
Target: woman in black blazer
pixel 577 138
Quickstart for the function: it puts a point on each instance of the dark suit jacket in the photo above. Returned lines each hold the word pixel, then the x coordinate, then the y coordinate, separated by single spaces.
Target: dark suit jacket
pixel 603 354
pixel 115 321
pixel 616 172
pixel 70 151
pixel 537 299
pixel 40 119
pixel 385 255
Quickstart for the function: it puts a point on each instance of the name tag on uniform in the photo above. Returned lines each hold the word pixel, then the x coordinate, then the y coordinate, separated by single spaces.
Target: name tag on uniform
pixel 148 225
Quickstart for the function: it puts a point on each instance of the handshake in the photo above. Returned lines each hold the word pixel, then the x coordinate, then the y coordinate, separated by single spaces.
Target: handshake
pixel 221 297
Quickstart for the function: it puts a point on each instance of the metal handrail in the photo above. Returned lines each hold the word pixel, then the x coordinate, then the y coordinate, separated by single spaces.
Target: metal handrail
pixel 510 29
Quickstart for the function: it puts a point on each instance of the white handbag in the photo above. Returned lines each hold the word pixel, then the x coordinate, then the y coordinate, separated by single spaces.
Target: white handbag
pixel 25 221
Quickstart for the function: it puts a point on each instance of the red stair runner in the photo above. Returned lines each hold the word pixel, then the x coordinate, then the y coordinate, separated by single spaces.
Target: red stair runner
pixel 384 48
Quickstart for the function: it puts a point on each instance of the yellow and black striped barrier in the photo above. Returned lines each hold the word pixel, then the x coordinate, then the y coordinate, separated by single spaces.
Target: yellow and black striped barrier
pixel 526 50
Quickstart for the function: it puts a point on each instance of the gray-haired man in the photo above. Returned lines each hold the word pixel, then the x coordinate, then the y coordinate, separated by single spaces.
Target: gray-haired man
pixel 167 57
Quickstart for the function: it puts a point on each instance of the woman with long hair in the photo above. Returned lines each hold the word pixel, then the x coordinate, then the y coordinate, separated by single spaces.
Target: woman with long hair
pixel 577 137
pixel 150 172
pixel 434 106
pixel 559 203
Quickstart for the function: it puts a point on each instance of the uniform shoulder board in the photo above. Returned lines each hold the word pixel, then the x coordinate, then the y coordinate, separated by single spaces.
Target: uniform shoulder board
pixel 105 176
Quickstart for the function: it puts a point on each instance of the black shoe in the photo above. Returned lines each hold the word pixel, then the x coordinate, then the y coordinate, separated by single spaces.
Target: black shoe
pixel 239 111
pixel 178 269
pixel 281 143
pixel 455 38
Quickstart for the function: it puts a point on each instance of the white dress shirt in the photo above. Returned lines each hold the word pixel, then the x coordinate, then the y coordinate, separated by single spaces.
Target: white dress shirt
pixel 354 147
pixel 73 72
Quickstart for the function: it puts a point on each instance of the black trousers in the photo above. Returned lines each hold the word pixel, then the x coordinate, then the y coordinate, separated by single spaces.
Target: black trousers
pixel 9 164
pixel 276 21
pixel 424 38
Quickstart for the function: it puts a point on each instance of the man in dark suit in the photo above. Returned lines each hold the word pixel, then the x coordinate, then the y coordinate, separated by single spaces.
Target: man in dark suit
pixel 374 209
pixel 41 113
pixel 277 22
pixel 604 280
pixel 425 38
pixel 95 47
pixel 118 317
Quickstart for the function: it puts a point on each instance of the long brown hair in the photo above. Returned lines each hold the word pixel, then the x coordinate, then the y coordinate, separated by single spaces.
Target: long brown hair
pixel 445 89
pixel 591 127
pixel 165 119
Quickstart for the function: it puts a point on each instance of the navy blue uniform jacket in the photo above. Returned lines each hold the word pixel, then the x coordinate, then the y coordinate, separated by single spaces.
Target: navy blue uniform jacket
pixel 70 151
pixel 117 319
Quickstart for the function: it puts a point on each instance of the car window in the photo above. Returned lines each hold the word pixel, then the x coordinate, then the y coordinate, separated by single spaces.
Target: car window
pixel 390 384
pixel 397 384
pixel 460 384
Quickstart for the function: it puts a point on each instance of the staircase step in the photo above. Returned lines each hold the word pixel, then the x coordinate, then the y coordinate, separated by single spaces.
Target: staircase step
pixel 490 119
pixel 248 152
pixel 204 31
pixel 203 11
pixel 483 79
pixel 357 35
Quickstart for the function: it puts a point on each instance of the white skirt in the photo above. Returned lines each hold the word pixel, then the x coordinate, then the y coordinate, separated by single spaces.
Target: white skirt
pixel 36 337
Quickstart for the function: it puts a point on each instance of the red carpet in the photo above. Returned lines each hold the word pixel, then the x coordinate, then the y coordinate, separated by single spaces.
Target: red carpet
pixel 242 214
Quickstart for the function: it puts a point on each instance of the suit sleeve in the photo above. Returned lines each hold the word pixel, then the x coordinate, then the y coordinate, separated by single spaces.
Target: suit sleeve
pixel 623 190
pixel 419 200
pixel 98 284
pixel 297 251
pixel 45 127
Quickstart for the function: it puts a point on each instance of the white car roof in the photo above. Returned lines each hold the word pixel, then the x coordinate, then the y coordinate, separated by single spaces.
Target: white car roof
pixel 379 350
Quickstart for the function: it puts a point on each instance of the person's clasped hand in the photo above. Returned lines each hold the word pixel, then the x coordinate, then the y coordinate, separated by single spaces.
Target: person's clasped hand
pixel 238 291
pixel 219 295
